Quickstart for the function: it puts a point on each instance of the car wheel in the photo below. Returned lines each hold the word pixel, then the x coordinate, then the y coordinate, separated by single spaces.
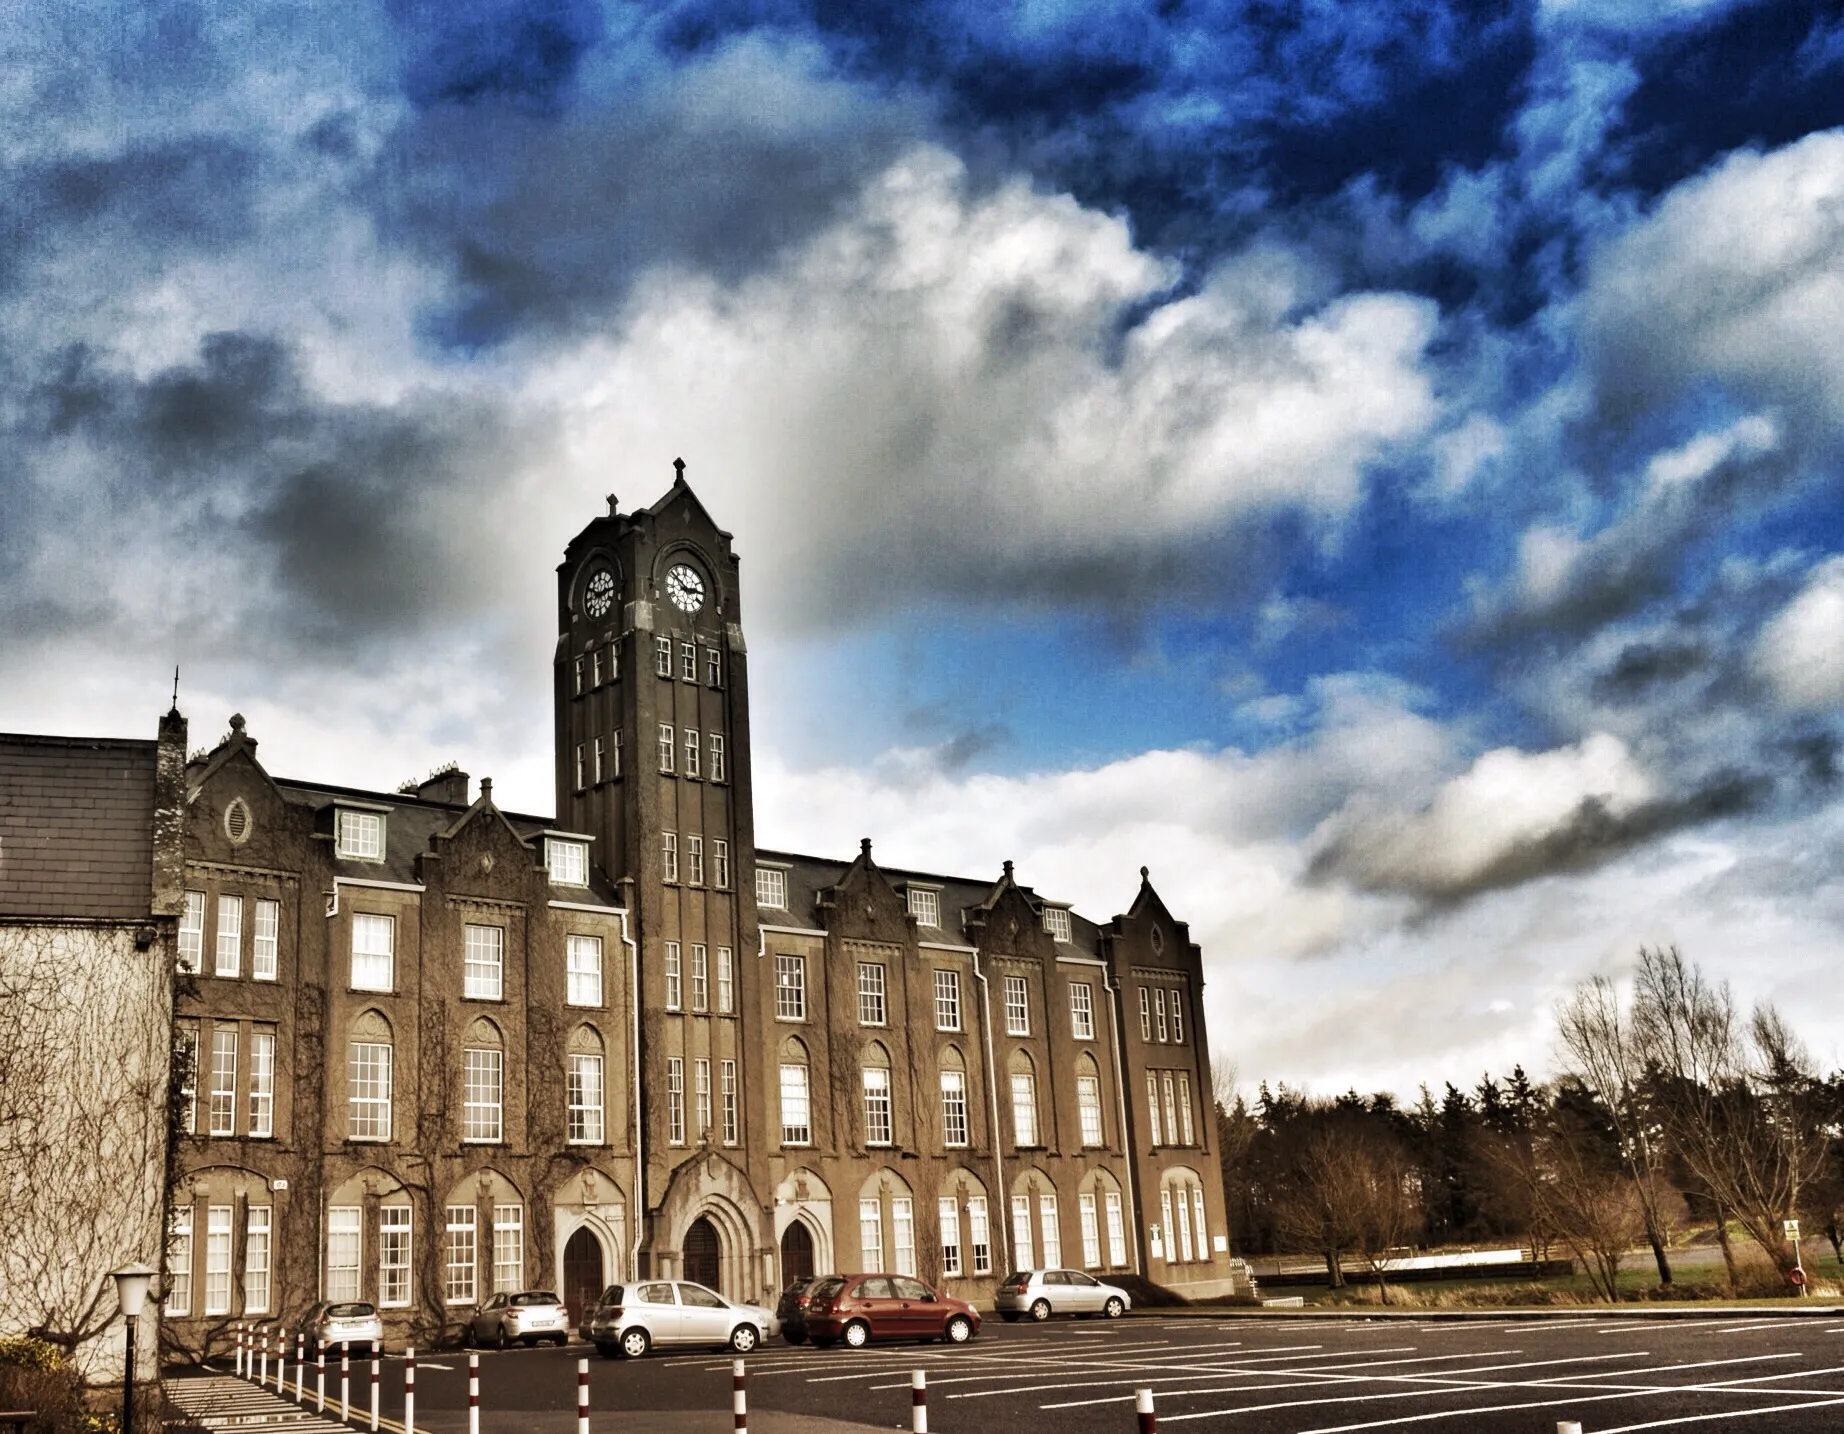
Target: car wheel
pixel 605 1349
pixel 1114 1308
pixel 635 1343
pixel 857 1334
pixel 562 1340
pixel 467 1335
pixel 503 1341
pixel 744 1338
pixel 960 1330
pixel 1040 1310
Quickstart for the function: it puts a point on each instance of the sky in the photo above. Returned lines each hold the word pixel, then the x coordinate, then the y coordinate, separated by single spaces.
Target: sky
pixel 1376 465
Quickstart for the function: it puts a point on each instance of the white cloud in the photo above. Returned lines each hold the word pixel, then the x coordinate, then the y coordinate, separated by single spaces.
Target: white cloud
pixel 1801 650
pixel 1736 278
pixel 950 389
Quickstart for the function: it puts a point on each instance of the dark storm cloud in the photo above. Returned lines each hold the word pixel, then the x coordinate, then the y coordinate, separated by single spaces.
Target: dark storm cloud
pixel 340 522
pixel 525 54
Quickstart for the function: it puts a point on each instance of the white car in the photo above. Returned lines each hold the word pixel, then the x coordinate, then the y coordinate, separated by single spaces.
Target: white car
pixel 1042 1293
pixel 529 1315
pixel 631 1319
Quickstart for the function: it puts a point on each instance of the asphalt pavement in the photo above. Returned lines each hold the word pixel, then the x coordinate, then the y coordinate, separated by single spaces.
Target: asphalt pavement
pixel 1759 1372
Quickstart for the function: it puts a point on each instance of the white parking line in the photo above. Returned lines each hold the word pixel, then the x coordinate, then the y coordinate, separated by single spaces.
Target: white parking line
pixel 1319 1374
pixel 1725 1415
pixel 1131 1378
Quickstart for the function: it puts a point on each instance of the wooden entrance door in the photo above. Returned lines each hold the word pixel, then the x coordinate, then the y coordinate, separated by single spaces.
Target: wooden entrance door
pixel 796 1253
pixel 701 1254
pixel 582 1273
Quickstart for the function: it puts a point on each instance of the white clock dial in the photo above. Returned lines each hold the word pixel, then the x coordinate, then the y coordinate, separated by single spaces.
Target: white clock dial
pixel 685 588
pixel 599 594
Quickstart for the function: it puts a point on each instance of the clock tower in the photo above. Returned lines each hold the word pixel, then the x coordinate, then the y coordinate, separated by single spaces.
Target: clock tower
pixel 652 729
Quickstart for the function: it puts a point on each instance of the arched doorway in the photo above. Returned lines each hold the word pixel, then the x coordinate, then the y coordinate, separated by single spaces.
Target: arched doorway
pixel 796 1253
pixel 582 1273
pixel 700 1254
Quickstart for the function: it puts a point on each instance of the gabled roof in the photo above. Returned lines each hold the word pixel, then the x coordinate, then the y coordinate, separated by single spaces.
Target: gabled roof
pixel 76 827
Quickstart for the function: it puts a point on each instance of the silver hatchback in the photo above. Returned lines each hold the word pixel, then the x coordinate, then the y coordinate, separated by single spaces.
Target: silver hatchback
pixel 631 1319
pixel 528 1316
pixel 351 1325
pixel 1038 1294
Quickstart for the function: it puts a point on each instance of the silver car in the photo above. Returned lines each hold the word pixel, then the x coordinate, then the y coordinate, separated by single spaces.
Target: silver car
pixel 1042 1293
pixel 352 1325
pixel 529 1316
pixel 631 1319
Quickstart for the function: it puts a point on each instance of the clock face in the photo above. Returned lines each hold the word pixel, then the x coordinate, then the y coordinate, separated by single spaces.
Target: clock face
pixel 685 588
pixel 599 593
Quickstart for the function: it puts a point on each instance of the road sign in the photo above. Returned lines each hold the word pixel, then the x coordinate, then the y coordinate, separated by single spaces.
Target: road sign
pixel 1790 1229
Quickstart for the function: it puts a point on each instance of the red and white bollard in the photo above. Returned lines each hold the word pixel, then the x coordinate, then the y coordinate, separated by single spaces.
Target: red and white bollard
pixel 374 1390
pixel 320 1379
pixel 582 1396
pixel 237 1348
pixel 281 1362
pixel 263 1377
pixel 1567 1426
pixel 345 1384
pixel 300 1368
pixel 739 1395
pixel 1143 1406
pixel 918 1401
pixel 473 1394
pixel 409 1391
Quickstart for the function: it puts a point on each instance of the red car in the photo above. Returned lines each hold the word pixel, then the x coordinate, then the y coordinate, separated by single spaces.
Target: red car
pixel 857 1309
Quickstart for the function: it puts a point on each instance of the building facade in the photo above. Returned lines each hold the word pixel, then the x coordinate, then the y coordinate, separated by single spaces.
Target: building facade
pixel 443 1050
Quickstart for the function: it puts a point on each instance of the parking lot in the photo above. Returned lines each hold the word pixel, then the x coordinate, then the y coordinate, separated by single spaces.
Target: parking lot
pixel 1760 1372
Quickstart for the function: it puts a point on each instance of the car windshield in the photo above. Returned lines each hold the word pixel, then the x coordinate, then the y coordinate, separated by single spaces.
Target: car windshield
pixel 350 1311
pixel 536 1297
pixel 826 1289
pixel 1017 1281
pixel 612 1295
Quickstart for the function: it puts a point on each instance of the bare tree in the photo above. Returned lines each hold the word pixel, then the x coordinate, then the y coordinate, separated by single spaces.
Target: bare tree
pixel 1608 1055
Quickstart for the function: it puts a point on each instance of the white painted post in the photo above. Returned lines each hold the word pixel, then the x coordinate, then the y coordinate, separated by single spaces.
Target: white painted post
pixel 320 1379
pixel 1143 1406
pixel 1567 1426
pixel 300 1368
pixel 374 1389
pixel 473 1394
pixel 739 1395
pixel 237 1344
pixel 345 1383
pixel 409 1391
pixel 582 1396
pixel 918 1401
pixel 262 1377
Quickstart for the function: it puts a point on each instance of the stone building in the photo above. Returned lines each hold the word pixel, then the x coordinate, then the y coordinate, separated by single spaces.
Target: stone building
pixel 443 1049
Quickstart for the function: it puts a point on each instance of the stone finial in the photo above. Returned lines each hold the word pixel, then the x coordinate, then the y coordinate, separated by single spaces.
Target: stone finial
pixel 864 847
pixel 236 724
pixel 1144 873
pixel 678 468
pixel 486 790
pixel 613 506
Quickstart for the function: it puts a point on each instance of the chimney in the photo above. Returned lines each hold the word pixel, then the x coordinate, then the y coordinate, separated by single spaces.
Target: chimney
pixel 448 786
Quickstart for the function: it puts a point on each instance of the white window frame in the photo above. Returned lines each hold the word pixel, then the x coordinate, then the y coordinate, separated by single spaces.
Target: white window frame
pixel 669 856
pixel 191 958
pixel 1159 1014
pixel 1145 1015
pixel 662 657
pixel 508 1248
pixel 1117 1230
pixel 229 945
pixel 483 962
pixel 701 1094
pixel 1184 1108
pixel 258 1258
pixel 188 1043
pixel 262 1084
pixel 873 1001
pixel 221 1109
pixel 796 1101
pixel 713 667
pixel 694 859
pixel 903 1233
pixel 394 1256
pixel 218 1259
pixel 947 1209
pixel 345 1251
pixel 179 1262
pixel 675 1100
pixel 925 905
pixel 374 951
pixel 1091 1231
pixel 1017 1006
pixel 700 976
pixel 720 863
pixel 790 986
pixel 461 1255
pixel 878 1115
pixel 1056 922
pixel 871 1232
pixel 979 1235
pixel 672 969
pixel 583 967
pixel 598 760
pixel 483 1095
pixel 1178 1019
pixel 1082 1010
pixel 265 939
pixel 714 744
pixel 1152 1104
pixel 358 836
pixel 1088 1109
pixel 1197 1211
pixel 688 661
pixel 368 1069
pixel 772 888
pixel 692 752
pixel 732 1127
pixel 1171 1107
pixel 1023 1241
pixel 583 1095
pixel 668 748
pixel 947 1000
pixel 954 1109
pixel 1024 1109
pixel 1051 1223
pixel 582 766
pixel 726 982
pixel 567 861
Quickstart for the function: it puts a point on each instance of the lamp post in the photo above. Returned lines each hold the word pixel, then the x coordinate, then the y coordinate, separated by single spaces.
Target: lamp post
pixel 131 1283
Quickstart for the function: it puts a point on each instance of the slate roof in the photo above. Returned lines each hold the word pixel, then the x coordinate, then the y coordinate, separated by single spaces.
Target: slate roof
pixel 76 827
pixel 809 875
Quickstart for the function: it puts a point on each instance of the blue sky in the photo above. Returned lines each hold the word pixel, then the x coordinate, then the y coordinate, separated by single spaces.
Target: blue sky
pixel 1377 465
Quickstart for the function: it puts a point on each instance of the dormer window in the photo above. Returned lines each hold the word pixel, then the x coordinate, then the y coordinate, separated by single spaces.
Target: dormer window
pixel 359 836
pixel 568 861
pixel 925 906
pixel 1056 922
pixel 771 888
